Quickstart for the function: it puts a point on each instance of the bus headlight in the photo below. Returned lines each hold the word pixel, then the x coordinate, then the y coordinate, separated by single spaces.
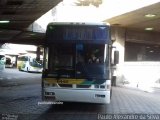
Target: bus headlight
pixel 103 87
pixel 99 86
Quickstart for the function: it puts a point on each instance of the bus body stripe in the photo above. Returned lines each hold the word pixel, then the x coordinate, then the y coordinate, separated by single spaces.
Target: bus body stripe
pixel 68 81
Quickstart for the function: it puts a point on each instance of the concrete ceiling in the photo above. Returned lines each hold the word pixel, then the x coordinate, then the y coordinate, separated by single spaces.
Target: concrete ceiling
pixel 21 14
pixel 137 20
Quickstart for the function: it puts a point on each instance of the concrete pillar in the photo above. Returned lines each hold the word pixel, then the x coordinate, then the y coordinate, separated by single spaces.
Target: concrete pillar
pixel 118 38
pixel 16 58
pixel 38 53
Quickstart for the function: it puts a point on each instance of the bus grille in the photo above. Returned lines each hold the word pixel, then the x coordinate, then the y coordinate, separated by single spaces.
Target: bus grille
pixel 71 86
pixel 83 86
pixel 65 85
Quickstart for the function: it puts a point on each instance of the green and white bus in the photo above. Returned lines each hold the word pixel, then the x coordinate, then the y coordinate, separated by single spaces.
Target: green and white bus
pixel 28 63
pixel 77 63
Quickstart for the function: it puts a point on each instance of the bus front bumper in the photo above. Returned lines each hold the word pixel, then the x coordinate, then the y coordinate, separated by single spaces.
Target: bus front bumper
pixel 77 95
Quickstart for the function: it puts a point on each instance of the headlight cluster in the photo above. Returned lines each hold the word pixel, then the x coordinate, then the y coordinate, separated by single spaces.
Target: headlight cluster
pixel 103 87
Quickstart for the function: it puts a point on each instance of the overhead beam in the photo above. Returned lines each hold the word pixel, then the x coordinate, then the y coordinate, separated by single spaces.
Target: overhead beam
pixel 3 2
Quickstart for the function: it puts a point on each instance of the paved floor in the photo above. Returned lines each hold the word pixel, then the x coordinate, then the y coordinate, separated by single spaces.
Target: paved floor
pixel 132 101
pixel 21 92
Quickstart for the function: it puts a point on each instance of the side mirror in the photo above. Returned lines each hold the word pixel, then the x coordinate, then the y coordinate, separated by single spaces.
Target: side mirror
pixel 116 57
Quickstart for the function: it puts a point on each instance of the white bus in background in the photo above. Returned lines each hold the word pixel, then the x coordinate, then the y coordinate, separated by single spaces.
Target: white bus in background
pixel 28 63
pixel 2 61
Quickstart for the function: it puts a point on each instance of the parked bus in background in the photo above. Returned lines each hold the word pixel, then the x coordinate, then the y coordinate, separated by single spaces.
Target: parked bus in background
pixel 28 63
pixel 9 61
pixel 2 61
pixel 77 63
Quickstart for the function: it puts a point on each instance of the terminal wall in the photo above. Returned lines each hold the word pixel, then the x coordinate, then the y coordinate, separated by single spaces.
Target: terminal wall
pixel 139 66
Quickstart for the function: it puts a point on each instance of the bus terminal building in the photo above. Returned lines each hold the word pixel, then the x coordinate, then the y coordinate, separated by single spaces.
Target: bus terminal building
pixel 139 49
pixel 139 60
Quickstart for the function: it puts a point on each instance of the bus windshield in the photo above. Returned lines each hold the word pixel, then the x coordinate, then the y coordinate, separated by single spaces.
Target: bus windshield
pixel 23 58
pixel 78 60
pixel 33 62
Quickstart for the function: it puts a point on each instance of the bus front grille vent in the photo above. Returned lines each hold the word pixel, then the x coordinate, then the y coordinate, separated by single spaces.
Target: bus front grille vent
pixel 83 86
pixel 65 85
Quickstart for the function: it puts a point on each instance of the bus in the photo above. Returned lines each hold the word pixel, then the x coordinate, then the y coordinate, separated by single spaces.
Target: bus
pixel 9 61
pixel 2 61
pixel 28 63
pixel 77 63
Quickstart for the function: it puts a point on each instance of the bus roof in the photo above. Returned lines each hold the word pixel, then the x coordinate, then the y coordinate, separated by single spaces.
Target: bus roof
pixel 78 23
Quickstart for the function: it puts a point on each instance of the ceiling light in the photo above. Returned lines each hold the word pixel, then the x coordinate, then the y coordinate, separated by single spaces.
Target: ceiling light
pixel 151 51
pixel 150 15
pixel 32 34
pixel 149 29
pixel 4 21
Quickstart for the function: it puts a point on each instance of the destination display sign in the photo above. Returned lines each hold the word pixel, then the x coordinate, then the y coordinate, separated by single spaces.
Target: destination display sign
pixel 75 33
